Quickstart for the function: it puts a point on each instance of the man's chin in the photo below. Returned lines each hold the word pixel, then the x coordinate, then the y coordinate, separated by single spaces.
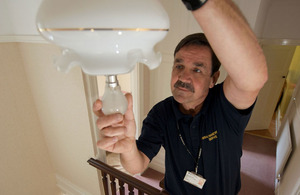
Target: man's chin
pixel 180 97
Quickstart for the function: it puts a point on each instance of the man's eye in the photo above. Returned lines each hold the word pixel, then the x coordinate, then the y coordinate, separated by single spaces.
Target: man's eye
pixel 179 66
pixel 197 70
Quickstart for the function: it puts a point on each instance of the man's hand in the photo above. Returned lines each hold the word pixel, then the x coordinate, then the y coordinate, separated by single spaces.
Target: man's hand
pixel 117 132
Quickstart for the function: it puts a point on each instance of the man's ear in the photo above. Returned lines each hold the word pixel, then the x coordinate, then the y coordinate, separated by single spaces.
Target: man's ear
pixel 214 79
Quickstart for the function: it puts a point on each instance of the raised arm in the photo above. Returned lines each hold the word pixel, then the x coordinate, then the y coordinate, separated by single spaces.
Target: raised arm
pixel 237 48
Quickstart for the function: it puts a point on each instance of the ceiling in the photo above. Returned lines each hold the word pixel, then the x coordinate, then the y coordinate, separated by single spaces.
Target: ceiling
pixel 273 19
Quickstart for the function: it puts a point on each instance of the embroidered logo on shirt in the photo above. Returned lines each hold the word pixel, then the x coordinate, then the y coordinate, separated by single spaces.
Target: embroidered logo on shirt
pixel 211 136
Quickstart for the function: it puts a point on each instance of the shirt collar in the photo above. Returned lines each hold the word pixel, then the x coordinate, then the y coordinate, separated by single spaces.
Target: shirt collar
pixel 179 115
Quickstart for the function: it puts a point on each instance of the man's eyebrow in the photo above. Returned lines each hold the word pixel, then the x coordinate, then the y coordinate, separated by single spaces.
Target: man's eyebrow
pixel 178 60
pixel 199 64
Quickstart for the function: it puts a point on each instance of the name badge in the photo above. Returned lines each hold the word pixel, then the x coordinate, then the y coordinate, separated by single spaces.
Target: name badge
pixel 194 179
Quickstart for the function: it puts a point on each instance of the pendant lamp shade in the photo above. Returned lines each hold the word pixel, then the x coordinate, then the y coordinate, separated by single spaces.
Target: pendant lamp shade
pixel 104 37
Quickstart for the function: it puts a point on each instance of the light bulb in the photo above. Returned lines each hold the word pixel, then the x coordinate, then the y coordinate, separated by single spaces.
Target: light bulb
pixel 113 100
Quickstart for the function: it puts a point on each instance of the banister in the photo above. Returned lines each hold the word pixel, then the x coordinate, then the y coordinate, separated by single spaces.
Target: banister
pixel 128 179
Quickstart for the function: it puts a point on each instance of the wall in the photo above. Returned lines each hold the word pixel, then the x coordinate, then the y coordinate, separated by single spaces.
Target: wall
pixel 290 181
pixel 62 110
pixel 25 164
pixel 291 81
pixel 45 131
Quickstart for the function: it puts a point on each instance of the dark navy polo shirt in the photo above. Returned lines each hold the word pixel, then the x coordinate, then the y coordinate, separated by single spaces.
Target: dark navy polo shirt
pixel 218 128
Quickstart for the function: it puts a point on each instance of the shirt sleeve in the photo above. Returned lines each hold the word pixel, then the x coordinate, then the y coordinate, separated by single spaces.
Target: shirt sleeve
pixel 151 137
pixel 236 117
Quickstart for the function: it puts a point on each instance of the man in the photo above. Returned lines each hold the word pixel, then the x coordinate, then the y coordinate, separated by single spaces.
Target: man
pixel 201 126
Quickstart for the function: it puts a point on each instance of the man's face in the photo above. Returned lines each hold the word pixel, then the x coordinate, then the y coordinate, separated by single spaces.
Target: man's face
pixel 191 75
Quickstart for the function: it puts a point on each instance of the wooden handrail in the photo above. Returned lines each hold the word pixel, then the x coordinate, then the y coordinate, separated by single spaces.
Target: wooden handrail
pixel 132 182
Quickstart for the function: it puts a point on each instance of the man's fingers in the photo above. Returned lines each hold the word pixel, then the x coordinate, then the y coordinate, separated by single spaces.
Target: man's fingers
pixel 97 108
pixel 129 113
pixel 107 143
pixel 123 145
pixel 110 136
pixel 113 131
pixel 116 145
pixel 109 120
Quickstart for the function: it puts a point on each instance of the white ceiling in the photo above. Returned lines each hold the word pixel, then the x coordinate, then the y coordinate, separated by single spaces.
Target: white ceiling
pixel 274 19
pixel 17 17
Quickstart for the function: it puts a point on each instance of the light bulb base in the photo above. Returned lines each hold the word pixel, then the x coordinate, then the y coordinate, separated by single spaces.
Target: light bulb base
pixel 112 81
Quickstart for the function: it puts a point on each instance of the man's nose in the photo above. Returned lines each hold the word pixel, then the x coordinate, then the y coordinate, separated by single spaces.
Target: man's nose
pixel 185 75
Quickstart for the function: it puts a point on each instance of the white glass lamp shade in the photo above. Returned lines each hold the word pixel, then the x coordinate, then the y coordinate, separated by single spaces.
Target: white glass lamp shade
pixel 104 37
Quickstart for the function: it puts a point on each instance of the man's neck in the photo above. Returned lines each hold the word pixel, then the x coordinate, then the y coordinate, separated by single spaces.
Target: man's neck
pixel 192 111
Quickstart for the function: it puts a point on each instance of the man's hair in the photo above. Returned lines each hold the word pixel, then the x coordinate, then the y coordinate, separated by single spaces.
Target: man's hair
pixel 199 39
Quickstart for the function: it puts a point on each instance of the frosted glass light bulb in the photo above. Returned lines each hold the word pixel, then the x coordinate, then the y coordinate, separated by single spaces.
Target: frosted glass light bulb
pixel 113 100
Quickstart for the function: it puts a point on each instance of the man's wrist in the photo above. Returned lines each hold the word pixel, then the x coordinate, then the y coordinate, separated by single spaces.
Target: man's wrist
pixel 194 4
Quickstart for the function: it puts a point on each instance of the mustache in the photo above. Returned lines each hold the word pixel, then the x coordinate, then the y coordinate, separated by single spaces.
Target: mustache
pixel 187 86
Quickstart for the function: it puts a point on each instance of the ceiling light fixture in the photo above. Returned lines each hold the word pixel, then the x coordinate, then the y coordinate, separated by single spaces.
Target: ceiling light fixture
pixel 104 37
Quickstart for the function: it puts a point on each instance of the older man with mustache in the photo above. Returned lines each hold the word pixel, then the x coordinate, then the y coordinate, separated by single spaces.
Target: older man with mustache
pixel 201 126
